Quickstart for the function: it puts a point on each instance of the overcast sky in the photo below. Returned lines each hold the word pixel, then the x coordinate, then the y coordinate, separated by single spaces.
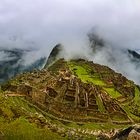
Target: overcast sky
pixel 47 22
pixel 41 24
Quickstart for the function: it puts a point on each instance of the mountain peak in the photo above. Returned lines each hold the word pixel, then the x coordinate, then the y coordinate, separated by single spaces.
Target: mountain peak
pixel 54 55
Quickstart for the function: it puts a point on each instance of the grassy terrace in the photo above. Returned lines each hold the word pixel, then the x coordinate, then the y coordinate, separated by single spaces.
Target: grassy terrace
pixel 137 96
pixel 21 121
pixel 114 93
pixel 83 73
pixel 133 106
pixel 22 129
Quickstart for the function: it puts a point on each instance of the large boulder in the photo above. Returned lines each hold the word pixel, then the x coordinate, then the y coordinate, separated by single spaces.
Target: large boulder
pixel 130 133
pixel 135 133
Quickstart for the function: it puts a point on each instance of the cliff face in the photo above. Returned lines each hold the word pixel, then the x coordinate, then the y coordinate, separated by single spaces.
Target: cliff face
pixel 82 95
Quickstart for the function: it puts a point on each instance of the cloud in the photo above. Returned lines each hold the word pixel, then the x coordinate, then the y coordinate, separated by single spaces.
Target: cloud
pixel 41 24
pixel 51 21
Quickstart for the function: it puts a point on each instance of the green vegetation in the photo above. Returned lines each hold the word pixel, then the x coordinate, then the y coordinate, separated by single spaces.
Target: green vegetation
pixel 100 104
pixel 21 129
pixel 14 123
pixel 95 107
pixel 103 126
pixel 89 75
pixel 83 73
pixel 132 108
pixel 128 109
pixel 112 92
pixel 137 96
pixel 19 120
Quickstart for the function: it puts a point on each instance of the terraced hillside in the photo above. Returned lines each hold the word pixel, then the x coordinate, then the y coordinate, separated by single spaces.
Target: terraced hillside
pixel 76 99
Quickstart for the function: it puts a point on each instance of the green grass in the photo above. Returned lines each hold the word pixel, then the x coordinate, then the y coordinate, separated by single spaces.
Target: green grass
pixel 21 129
pixel 127 109
pixel 103 126
pixel 84 74
pixel 96 126
pixel 130 107
pixel 100 104
pixel 137 96
pixel 15 106
pixel 114 93
pixel 14 124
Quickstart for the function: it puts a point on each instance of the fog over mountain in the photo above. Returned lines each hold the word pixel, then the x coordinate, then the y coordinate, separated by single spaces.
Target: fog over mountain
pixel 40 25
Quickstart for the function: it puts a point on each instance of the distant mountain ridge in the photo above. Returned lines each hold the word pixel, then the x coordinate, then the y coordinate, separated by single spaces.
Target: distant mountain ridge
pixel 134 55
pixel 12 63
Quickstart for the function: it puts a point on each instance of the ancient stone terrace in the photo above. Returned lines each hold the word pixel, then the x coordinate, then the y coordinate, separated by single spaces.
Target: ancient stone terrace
pixel 66 96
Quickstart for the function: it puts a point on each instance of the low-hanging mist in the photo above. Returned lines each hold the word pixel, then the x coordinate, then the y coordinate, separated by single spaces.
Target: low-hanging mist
pixel 40 25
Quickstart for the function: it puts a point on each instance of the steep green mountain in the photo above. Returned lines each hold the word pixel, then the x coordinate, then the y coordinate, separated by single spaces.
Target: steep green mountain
pixel 74 99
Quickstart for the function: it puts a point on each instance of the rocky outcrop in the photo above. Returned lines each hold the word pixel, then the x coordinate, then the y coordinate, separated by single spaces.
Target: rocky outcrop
pixel 130 133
